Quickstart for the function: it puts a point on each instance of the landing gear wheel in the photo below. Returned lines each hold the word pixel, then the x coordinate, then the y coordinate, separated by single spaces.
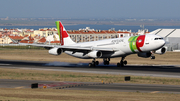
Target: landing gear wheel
pixel 90 64
pixel 106 61
pixel 94 63
pixel 97 63
pixel 122 63
pixel 118 64
pixel 152 57
pixel 125 62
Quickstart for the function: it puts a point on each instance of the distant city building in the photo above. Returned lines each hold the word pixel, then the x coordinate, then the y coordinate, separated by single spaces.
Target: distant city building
pixel 44 32
pixel 50 36
pixel 5 40
pixel 87 34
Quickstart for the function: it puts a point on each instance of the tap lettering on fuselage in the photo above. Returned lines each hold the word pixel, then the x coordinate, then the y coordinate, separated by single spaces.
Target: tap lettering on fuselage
pixel 117 41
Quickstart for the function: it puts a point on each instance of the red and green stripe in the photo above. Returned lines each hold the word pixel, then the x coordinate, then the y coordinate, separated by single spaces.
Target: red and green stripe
pixel 135 42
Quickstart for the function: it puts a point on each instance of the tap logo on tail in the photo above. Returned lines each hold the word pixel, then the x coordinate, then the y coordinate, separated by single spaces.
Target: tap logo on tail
pixel 61 32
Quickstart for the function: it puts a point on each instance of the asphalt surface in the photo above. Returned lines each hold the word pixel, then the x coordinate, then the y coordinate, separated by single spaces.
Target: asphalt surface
pixel 172 71
pixel 132 88
pixel 144 70
pixel 121 87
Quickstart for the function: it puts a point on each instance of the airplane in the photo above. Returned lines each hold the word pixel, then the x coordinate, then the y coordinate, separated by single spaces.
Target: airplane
pixel 143 45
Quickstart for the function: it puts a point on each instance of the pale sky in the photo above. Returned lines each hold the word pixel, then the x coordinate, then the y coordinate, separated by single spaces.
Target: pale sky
pixel 90 8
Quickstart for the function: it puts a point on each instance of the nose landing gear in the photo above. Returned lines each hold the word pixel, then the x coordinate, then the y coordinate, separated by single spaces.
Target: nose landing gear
pixel 152 57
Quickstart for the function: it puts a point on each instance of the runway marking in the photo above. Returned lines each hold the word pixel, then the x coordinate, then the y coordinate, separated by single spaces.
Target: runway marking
pixel 19 87
pixel 155 92
pixel 4 64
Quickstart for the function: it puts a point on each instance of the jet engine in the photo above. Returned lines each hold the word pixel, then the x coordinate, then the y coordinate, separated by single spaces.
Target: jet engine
pixel 95 54
pixel 55 51
pixel 144 54
pixel 161 50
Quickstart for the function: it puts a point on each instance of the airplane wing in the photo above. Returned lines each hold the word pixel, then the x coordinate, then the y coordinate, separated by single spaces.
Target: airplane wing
pixel 39 45
pixel 73 48
pixel 82 49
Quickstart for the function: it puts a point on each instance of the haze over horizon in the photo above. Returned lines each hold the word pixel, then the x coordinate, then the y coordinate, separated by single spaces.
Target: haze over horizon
pixel 90 9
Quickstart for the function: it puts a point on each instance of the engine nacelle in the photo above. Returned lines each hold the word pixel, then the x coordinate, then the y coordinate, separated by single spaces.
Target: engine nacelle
pixel 144 54
pixel 95 54
pixel 55 51
pixel 161 50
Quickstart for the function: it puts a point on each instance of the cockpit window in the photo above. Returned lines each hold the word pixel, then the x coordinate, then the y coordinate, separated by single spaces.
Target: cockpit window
pixel 158 39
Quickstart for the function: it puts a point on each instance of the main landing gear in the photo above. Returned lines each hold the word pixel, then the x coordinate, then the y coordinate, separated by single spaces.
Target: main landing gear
pixel 94 63
pixel 122 62
pixel 106 61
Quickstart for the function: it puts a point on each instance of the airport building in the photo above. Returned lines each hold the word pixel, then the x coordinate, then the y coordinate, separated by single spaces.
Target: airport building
pixel 172 36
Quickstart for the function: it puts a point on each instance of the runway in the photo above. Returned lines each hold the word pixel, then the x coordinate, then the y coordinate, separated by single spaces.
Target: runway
pixel 120 87
pixel 138 70
pixel 172 71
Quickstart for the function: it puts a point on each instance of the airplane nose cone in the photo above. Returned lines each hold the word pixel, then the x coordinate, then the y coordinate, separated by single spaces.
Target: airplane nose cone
pixel 163 42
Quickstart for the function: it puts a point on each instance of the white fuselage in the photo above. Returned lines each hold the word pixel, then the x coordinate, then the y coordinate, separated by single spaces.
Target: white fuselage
pixel 123 46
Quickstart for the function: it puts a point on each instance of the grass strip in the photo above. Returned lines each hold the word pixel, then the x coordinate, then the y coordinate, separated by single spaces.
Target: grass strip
pixel 9 94
pixel 169 58
pixel 21 47
pixel 22 74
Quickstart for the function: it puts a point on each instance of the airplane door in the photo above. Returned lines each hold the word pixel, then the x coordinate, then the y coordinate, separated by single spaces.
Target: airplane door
pixel 146 41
